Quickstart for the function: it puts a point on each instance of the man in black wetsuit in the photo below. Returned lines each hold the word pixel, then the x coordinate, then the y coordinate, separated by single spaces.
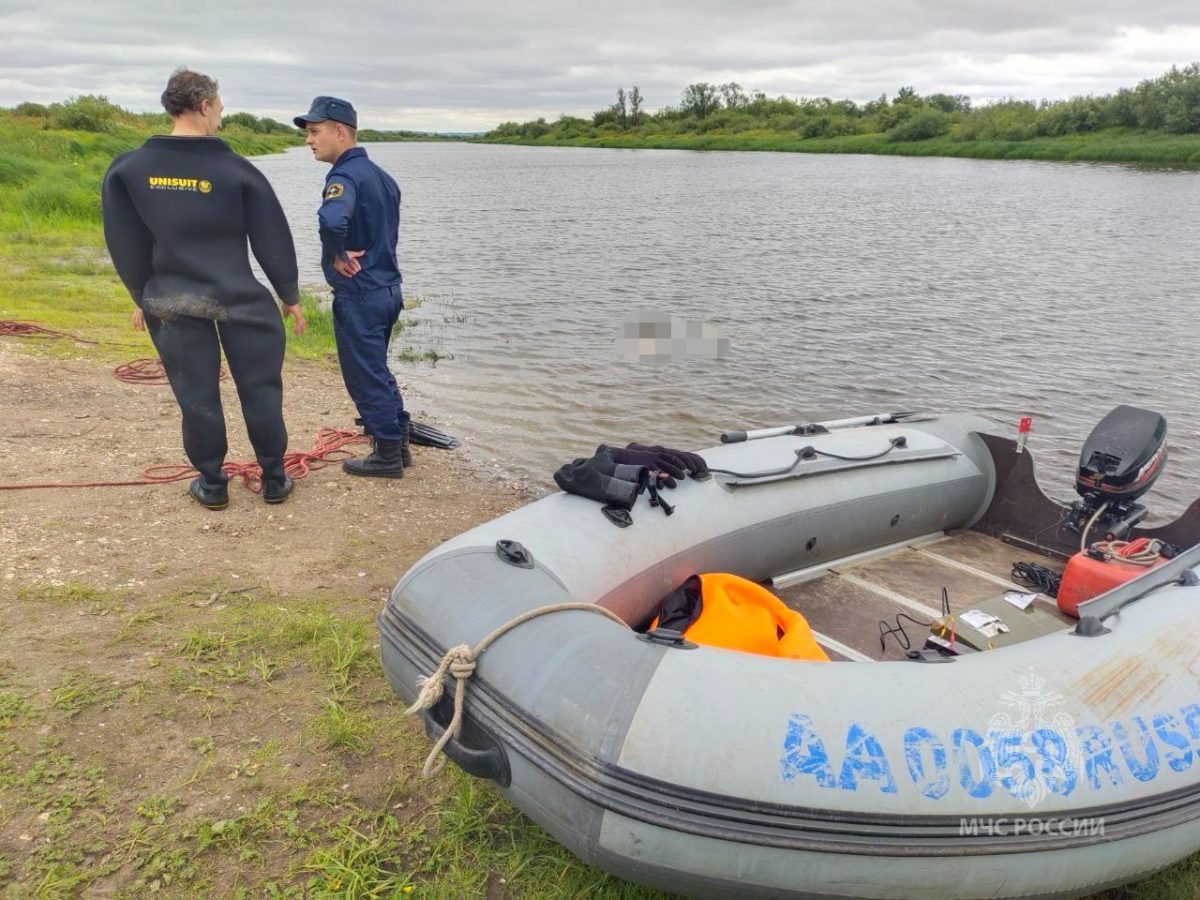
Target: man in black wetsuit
pixel 177 215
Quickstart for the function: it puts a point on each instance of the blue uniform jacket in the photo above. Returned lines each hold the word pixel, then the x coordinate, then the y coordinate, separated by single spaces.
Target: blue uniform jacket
pixel 360 210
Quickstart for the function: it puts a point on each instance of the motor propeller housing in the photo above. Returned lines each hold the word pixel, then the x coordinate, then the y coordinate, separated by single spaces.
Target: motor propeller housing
pixel 1120 461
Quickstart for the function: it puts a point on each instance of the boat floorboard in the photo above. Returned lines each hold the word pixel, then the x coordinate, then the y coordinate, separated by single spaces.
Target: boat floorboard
pixel 846 606
pixel 850 614
pixel 987 553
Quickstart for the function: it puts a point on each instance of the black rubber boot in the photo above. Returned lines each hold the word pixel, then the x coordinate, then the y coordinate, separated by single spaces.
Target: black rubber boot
pixel 385 461
pixel 405 449
pixel 209 496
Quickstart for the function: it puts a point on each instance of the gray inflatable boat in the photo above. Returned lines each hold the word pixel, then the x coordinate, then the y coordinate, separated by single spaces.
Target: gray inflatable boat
pixel 956 746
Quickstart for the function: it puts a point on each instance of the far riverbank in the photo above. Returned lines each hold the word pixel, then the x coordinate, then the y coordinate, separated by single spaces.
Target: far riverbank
pixel 1116 145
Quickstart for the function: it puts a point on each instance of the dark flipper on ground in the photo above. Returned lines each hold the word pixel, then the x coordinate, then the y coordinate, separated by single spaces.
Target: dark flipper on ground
pixel 428 436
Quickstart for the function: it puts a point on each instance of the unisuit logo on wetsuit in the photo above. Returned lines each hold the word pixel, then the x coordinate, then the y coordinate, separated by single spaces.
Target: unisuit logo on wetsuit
pixel 164 183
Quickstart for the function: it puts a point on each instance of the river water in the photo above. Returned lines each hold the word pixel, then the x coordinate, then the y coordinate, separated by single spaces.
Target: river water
pixel 844 285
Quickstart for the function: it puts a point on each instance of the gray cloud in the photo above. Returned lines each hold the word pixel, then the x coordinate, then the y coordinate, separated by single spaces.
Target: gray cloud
pixel 469 65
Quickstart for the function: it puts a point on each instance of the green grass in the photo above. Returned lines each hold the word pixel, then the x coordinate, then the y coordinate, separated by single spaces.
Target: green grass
pixel 79 690
pixel 13 709
pixel 341 728
pixel 317 341
pixel 359 863
pixel 1113 145
pixel 70 592
pixel 232 815
pixel 156 809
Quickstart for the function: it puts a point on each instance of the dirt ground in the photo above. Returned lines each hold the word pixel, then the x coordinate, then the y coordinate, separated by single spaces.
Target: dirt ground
pixel 190 700
pixel 72 421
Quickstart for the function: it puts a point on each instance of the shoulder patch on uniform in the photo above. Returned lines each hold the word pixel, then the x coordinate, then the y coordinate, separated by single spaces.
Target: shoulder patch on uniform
pixel 334 190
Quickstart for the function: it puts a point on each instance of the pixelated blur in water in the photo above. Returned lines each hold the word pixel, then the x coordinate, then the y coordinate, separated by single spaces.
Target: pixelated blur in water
pixel 656 337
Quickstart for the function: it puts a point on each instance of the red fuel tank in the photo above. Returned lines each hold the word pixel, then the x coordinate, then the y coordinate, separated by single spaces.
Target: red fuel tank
pixel 1086 577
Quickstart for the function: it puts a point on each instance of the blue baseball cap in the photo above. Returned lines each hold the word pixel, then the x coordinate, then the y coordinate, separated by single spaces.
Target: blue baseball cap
pixel 329 108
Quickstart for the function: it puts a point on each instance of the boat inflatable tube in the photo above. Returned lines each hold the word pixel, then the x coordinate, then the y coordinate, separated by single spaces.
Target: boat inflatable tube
pixel 1053 768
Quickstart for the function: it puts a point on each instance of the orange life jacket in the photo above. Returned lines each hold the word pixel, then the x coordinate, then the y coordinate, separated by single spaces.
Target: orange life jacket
pixel 720 610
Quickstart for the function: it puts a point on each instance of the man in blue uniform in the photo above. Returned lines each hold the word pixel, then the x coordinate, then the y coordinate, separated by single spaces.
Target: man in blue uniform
pixel 359 225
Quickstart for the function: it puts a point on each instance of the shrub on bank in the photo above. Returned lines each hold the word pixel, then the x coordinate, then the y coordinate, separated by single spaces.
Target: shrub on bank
pixel 1008 120
pixel 31 110
pixel 928 123
pixel 251 122
pixel 87 113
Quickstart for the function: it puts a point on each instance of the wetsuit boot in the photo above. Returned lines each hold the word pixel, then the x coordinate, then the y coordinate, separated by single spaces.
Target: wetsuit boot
pixel 274 491
pixel 210 496
pixel 385 461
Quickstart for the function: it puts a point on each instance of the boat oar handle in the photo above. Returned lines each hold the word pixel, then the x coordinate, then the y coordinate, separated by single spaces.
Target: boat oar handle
pixel 737 437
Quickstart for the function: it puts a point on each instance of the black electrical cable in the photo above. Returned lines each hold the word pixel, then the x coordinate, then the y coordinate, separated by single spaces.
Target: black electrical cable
pixel 898 632
pixel 1037 576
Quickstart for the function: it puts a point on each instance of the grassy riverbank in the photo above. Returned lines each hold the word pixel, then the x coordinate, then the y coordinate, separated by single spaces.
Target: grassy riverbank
pixel 1157 122
pixel 1111 146
pixel 57 272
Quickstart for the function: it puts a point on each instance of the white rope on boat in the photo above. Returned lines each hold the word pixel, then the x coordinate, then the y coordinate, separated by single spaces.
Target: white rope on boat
pixel 460 662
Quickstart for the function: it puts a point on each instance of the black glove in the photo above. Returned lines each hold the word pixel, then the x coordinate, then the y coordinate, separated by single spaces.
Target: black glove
pixel 666 462
pixel 600 479
pixel 672 463
pixel 693 462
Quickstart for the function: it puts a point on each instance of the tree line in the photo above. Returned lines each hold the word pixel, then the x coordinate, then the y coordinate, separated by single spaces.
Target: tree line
pixel 1169 103
pixel 96 113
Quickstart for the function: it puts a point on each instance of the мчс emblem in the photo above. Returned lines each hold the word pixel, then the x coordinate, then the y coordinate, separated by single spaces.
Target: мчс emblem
pixel 334 190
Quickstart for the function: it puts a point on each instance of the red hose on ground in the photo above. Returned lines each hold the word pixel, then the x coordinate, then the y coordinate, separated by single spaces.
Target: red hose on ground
pixel 331 447
pixel 331 443
pixel 28 329
pixel 147 371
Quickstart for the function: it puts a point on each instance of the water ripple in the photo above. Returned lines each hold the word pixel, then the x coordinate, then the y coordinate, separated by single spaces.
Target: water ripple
pixel 845 284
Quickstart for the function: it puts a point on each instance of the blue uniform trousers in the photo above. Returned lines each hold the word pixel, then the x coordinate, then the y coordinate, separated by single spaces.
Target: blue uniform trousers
pixel 362 326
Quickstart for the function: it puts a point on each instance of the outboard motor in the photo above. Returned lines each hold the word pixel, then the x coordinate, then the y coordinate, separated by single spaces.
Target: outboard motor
pixel 1121 459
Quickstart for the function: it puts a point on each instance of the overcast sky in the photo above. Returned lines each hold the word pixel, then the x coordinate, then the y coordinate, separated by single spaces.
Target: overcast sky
pixel 466 66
